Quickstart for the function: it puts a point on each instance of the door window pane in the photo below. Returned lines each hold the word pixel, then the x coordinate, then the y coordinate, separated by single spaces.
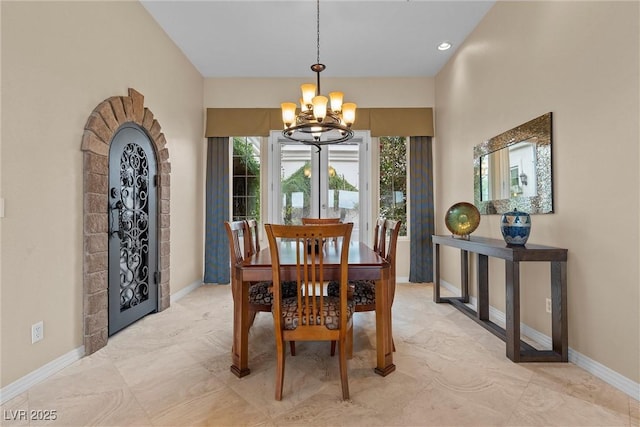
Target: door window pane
pixel 343 198
pixel 295 182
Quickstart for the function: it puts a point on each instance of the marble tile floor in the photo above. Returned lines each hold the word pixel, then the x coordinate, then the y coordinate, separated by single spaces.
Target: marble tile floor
pixel 172 369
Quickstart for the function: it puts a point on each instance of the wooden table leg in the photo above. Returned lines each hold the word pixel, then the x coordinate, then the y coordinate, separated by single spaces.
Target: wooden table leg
pixel 384 344
pixel 512 328
pixel 240 351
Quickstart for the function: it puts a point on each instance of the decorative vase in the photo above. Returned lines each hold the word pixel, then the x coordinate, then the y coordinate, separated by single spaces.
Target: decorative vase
pixel 515 227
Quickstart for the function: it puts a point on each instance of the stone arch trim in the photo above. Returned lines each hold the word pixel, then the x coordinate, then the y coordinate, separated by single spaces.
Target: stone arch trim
pixel 101 126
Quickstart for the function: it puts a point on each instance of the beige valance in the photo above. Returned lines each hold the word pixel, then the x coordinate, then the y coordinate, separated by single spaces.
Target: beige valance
pixel 260 121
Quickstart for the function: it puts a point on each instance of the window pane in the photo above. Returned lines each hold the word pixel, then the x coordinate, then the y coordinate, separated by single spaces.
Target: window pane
pixel 246 178
pixel 393 179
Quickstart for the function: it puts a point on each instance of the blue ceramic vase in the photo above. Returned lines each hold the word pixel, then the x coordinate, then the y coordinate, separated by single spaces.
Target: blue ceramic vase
pixel 515 227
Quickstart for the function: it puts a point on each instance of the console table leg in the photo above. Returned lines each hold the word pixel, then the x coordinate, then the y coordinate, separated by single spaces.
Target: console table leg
pixel 436 272
pixel 512 270
pixel 464 274
pixel 483 287
pixel 559 324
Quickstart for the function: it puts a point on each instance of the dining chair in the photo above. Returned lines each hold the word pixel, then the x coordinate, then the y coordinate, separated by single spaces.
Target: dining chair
pixel 363 292
pixel 311 315
pixel 260 293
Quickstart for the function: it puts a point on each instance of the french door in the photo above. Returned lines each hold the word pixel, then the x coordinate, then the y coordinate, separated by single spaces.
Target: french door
pixel 330 182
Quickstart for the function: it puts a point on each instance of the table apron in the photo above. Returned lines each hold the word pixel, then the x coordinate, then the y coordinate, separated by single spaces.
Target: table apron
pixel 356 272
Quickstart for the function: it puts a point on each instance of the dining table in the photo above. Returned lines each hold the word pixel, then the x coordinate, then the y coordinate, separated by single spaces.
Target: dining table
pixel 364 264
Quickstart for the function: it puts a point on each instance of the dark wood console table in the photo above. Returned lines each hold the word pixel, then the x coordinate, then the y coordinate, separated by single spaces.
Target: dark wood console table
pixel 517 350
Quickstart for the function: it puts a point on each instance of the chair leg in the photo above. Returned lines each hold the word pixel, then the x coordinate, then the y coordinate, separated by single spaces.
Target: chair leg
pixel 393 344
pixel 343 370
pixel 280 351
pixel 252 317
pixel 349 345
pixel 292 345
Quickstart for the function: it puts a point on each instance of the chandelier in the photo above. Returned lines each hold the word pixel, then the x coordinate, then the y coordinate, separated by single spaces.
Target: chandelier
pixel 321 120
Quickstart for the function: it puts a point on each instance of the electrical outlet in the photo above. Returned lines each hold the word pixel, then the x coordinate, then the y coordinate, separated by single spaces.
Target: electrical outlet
pixel 548 300
pixel 37 332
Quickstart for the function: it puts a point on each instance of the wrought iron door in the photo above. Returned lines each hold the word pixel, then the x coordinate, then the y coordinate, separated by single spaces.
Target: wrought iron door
pixel 133 248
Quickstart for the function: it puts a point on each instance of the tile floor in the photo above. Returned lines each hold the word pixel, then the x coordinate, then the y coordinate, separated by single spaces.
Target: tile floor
pixel 172 369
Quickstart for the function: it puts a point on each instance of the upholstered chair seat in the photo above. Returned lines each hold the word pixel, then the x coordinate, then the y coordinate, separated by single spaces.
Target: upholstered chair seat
pixel 330 311
pixel 261 293
pixel 361 292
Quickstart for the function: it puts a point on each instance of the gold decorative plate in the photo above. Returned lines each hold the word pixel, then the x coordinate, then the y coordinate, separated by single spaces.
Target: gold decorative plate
pixel 462 219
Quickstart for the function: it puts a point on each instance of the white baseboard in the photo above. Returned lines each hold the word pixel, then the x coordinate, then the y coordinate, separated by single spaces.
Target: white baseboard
pixel 25 383
pixel 597 369
pixel 185 291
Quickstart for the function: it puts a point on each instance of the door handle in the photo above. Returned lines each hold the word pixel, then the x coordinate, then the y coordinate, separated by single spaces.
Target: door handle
pixel 116 209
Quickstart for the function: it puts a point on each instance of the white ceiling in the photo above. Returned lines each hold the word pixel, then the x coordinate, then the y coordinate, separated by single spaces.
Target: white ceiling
pixel 253 38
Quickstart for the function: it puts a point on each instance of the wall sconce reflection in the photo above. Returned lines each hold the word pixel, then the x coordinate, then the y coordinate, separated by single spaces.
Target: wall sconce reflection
pixel 523 178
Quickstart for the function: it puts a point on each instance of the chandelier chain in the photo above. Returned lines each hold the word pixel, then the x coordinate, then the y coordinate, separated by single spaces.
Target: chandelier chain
pixel 318 30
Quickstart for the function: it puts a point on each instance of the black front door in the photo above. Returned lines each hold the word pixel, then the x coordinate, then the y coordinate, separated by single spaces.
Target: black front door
pixel 133 229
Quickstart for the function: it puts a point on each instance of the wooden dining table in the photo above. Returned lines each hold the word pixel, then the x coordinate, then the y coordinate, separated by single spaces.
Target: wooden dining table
pixel 364 264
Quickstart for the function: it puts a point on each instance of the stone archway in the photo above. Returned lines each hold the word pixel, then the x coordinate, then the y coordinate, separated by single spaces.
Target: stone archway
pixel 102 124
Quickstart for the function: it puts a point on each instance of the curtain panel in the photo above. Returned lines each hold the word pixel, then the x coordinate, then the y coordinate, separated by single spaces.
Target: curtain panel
pixel 216 251
pixel 422 224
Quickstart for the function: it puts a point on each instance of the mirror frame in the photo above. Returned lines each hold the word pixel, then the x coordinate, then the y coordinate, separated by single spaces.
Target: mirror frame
pixel 539 128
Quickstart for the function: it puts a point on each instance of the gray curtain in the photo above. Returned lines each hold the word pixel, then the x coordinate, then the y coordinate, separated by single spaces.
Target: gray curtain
pixel 216 250
pixel 421 209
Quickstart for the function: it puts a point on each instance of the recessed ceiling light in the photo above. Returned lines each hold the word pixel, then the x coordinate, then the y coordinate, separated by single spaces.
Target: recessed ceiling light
pixel 444 46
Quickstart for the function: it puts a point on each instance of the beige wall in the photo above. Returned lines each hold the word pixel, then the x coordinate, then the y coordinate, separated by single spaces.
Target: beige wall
pixel 59 61
pixel 580 61
pixel 367 93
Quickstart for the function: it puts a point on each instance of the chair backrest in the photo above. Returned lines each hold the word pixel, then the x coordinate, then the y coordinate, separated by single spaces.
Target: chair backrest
pixel 235 230
pixel 251 238
pixel 310 272
pixel 394 230
pixel 316 221
pixel 380 237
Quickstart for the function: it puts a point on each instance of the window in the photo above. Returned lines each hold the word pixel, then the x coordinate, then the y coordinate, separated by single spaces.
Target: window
pixel 393 179
pixel 245 191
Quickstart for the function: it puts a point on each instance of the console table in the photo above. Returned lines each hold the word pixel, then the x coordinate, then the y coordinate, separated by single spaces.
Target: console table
pixel 517 350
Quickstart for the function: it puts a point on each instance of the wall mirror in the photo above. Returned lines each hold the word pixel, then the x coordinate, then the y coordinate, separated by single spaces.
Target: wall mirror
pixel 513 170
